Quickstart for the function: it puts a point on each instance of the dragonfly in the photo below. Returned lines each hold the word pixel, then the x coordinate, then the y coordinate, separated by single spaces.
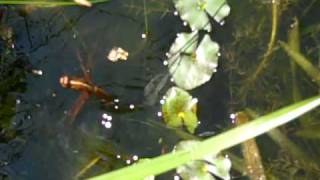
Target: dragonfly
pixel 87 89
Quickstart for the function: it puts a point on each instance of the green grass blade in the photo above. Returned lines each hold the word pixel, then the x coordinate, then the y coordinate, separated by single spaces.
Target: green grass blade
pixel 215 144
pixel 45 3
pixel 303 62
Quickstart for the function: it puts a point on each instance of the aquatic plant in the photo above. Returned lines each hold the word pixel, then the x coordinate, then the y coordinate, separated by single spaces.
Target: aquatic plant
pixel 179 110
pixel 214 144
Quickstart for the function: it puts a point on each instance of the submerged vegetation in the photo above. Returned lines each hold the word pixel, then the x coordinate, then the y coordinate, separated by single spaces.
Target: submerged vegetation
pixel 270 65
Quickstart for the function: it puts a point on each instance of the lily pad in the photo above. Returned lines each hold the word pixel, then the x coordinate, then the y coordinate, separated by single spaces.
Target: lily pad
pixel 194 12
pixel 189 65
pixel 179 109
pixel 204 168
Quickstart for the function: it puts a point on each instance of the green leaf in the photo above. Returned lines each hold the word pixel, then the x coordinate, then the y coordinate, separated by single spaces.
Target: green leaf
pixel 203 169
pixel 189 66
pixel 179 110
pixel 194 12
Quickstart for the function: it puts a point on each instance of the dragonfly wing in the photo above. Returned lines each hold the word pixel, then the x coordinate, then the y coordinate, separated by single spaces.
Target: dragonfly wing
pixel 77 106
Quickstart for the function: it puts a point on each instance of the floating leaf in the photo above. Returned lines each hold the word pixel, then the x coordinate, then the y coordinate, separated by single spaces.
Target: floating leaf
pixel 191 67
pixel 194 12
pixel 179 109
pixel 203 169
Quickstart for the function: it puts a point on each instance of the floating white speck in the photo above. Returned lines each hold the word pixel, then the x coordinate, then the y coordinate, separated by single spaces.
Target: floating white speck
pixel 162 101
pixel 18 101
pixel 222 23
pixel 135 157
pixel 143 36
pixel 103 122
pixel 116 100
pixel 171 79
pixel 219 54
pixel 165 62
pixel 37 72
pixel 118 156
pixel 131 106
pixel 54 95
pixel 128 161
pixel 159 114
pixel 29 117
pixel 176 177
pixel 109 118
pixel 175 13
pixel 105 115
pixel 116 107
pixel 185 23
pixel 74 36
pixel 232 116
pixel 108 124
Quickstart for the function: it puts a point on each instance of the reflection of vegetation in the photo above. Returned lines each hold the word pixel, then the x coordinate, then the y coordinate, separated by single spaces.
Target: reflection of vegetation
pixel 264 78
pixel 12 75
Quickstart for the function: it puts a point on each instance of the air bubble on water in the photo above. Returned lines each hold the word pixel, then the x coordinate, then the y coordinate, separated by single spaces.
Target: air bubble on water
pixel 232 116
pixel 159 114
pixel 185 23
pixel 176 177
pixel 108 124
pixel 118 156
pixel 37 72
pixel 116 100
pixel 135 157
pixel 162 101
pixel 105 115
pixel 165 62
pixel 143 35
pixel 116 107
pixel 175 13
pixel 131 106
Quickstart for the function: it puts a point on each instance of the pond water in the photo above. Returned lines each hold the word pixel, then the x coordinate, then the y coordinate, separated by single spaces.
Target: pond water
pixel 58 41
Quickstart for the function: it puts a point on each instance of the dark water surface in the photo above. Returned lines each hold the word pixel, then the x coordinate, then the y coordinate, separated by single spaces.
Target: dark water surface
pixel 53 39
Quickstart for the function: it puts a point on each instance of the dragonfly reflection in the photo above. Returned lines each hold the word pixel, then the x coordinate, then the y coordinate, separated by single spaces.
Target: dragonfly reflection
pixel 87 89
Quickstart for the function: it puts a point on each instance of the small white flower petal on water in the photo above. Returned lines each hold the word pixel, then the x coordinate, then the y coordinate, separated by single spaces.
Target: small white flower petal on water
pixel 117 53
